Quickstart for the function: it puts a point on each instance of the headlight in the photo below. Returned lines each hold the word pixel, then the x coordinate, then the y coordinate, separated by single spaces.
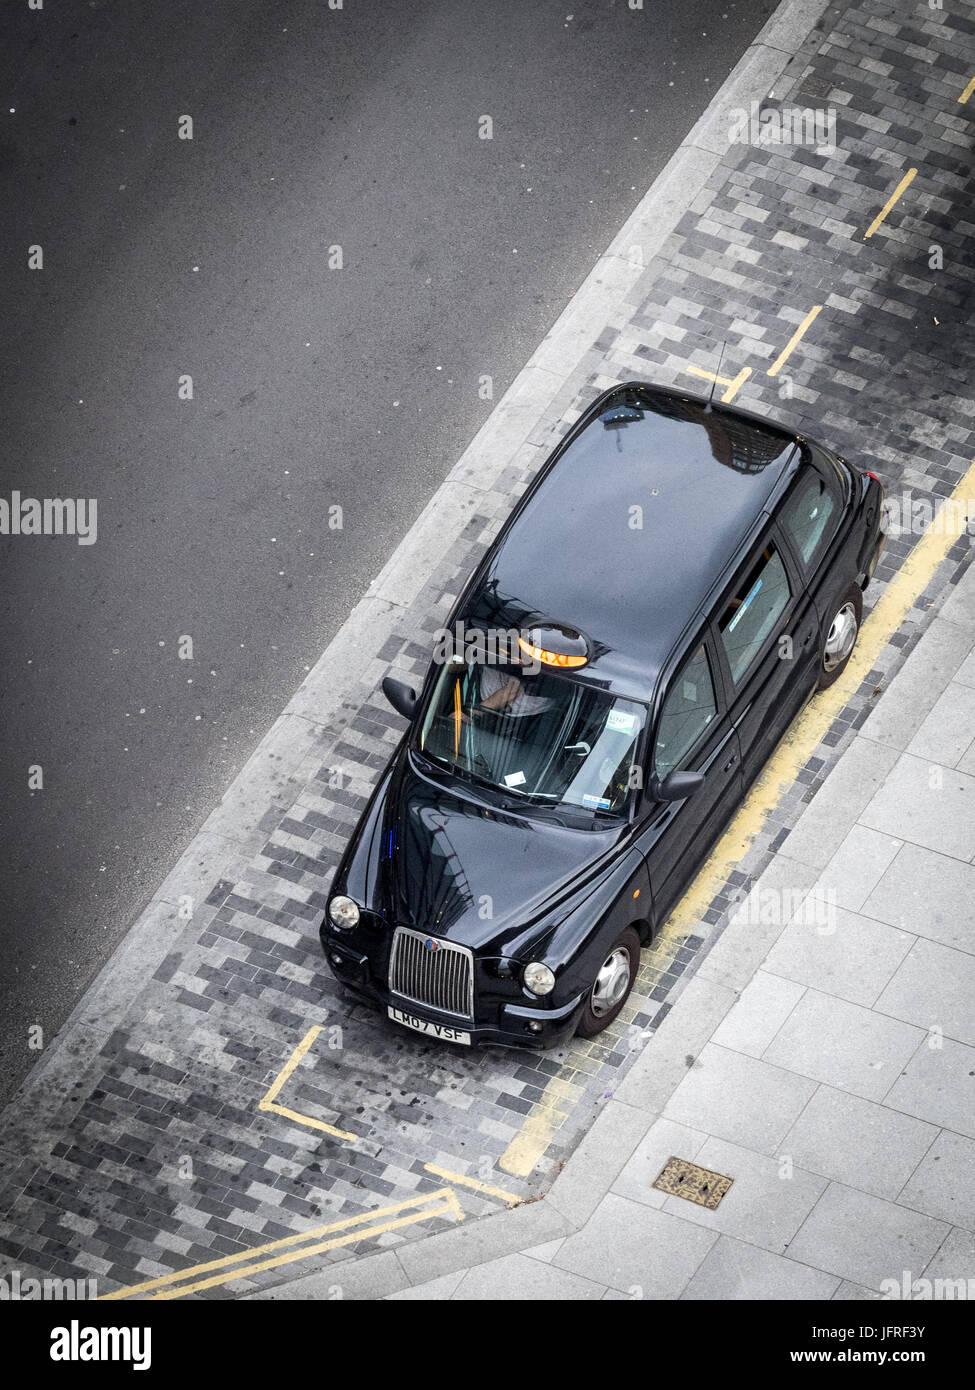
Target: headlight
pixel 538 978
pixel 343 913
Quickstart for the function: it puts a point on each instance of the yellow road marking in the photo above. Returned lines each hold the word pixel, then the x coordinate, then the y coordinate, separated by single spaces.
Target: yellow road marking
pixel 443 1202
pixel 535 1135
pixel 790 346
pixel 734 384
pixel 780 773
pixel 268 1102
pixel 509 1197
pixel 967 92
pixel 905 181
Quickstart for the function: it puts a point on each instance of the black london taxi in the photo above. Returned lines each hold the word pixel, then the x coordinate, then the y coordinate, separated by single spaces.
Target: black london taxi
pixel 675 584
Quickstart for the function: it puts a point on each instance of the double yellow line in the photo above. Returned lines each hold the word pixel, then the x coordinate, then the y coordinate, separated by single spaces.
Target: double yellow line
pixel 302 1246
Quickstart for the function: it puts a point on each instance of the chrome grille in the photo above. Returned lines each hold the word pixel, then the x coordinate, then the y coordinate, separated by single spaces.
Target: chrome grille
pixel 442 978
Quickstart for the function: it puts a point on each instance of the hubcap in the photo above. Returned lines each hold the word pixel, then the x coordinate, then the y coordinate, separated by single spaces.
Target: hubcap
pixel 611 982
pixel 841 637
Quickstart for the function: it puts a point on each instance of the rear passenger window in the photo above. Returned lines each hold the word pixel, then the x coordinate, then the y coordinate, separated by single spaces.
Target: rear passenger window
pixel 688 710
pixel 806 514
pixel 752 614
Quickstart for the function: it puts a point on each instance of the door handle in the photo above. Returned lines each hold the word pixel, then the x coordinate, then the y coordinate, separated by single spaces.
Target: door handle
pixel 730 763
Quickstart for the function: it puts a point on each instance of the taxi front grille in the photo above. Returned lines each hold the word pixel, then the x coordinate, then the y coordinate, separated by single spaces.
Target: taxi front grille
pixel 428 970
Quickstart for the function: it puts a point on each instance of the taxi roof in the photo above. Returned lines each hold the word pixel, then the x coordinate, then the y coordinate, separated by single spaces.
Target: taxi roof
pixel 627 529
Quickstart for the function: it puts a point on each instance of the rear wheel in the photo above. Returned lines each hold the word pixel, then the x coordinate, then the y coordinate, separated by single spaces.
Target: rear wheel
pixel 612 985
pixel 841 636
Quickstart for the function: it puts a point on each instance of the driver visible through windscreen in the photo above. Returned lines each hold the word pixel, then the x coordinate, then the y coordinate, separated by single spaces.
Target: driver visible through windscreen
pixel 535 733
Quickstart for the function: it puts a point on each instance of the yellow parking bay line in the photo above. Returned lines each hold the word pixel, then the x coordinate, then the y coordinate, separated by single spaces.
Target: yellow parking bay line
pixel 535 1135
pixel 366 1225
pixel 509 1198
pixel 790 346
pixel 905 181
pixel 967 93
pixel 734 384
pixel 269 1102
pixel 790 757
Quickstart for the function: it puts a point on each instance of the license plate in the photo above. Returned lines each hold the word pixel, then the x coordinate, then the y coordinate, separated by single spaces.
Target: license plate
pixel 422 1025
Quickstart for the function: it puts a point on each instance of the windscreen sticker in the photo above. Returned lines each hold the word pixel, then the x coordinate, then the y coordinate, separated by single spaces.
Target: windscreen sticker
pixel 690 692
pixel 514 779
pixel 619 722
pixel 744 604
pixel 602 802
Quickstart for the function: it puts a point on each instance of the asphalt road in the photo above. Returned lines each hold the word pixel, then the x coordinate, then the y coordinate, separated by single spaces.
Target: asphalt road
pixel 312 387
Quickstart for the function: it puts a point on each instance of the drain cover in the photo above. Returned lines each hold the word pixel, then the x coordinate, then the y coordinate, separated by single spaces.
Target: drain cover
pixel 682 1178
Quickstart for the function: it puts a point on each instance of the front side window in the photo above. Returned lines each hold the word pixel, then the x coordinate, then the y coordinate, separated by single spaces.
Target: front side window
pixel 752 614
pixel 538 736
pixel 689 708
pixel 806 514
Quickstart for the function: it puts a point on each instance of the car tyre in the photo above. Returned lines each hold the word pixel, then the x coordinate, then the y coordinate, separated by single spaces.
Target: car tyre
pixel 611 987
pixel 840 637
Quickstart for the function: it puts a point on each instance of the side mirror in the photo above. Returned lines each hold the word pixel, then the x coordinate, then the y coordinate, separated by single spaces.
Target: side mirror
pixel 678 785
pixel 400 696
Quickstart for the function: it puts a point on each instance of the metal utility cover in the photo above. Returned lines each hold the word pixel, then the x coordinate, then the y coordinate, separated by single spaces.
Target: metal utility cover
pixel 681 1178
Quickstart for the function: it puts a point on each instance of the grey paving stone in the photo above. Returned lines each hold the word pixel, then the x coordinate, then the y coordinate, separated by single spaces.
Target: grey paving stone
pixel 849 956
pixel 663 1141
pixel 860 774
pixel 856 867
pixel 369 1278
pixel 733 1269
pixel 858 1142
pixel 927 804
pixel 934 987
pixel 739 1098
pixel 949 730
pixel 938 1085
pixel 920 682
pixel 954 1261
pixel 959 607
pixel 762 1008
pixel 929 894
pixel 433 1291
pixel 616 1132
pixel 519 1277
pixel 767 1203
pixel 865 1239
pixel 843 1044
pixel 545 1252
pixel 636 1250
pixel 943 1185
pixel 848 1292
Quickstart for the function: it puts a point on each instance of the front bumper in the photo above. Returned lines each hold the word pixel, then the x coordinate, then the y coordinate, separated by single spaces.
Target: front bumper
pixel 510 1024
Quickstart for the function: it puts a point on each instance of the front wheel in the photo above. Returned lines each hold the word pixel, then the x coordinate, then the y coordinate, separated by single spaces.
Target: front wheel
pixel 611 987
pixel 841 636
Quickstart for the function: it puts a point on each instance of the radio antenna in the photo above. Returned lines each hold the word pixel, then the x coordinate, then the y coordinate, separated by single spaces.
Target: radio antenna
pixel 714 382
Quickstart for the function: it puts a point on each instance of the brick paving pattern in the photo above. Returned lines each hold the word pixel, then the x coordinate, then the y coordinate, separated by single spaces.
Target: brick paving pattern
pixel 160 1159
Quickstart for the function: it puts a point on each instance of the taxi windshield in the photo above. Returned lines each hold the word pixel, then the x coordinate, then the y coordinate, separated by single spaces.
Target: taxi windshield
pixel 534 733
